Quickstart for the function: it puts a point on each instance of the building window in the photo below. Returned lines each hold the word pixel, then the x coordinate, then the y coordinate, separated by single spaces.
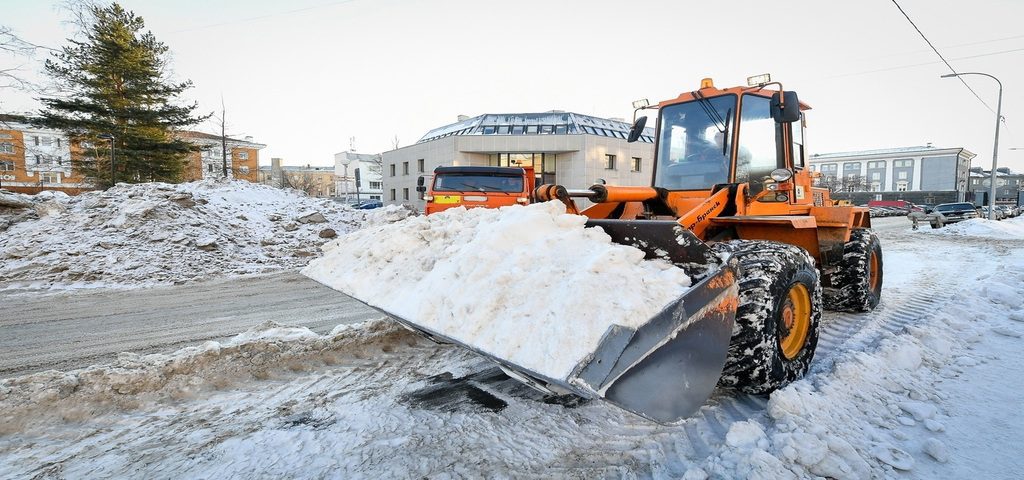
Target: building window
pixel 243 155
pixel 903 163
pixel 39 159
pixel 405 168
pixel 876 176
pixel 392 192
pixel 405 194
pixel 209 168
pixel 375 186
pixel 420 166
pixel 392 168
pixel 60 160
pixel 244 170
pixel 609 162
pixel 901 186
pixel 636 164
pixel 35 141
pixel 58 142
pixel 6 148
pixel 6 166
pixel 49 177
pixel 901 175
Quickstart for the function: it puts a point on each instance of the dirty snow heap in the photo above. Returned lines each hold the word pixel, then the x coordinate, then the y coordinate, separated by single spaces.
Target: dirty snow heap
pixel 157 233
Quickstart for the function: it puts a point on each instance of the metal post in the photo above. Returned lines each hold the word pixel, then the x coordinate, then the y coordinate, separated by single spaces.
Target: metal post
pixel 995 144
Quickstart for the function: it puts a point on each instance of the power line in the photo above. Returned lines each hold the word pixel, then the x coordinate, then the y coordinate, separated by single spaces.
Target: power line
pixel 951 69
pixel 261 17
pixel 912 65
pixel 947 47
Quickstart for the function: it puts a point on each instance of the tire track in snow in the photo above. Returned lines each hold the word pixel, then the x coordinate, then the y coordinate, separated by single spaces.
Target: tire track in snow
pixel 348 419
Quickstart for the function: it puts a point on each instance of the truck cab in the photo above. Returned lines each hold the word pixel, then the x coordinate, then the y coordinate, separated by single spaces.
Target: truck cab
pixel 476 187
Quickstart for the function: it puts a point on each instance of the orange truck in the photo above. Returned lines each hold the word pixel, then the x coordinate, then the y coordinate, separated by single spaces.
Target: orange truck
pixel 476 187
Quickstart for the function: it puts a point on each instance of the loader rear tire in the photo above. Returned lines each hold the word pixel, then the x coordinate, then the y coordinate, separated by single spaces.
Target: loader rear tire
pixel 776 327
pixel 856 286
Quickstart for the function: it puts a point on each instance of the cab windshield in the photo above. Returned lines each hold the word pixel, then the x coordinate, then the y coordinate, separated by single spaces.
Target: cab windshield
pixel 456 182
pixel 693 144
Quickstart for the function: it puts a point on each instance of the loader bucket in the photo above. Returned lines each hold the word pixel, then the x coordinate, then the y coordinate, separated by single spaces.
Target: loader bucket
pixel 666 368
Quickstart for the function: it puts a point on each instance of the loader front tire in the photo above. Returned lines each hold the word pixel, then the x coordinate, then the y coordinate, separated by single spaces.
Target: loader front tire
pixel 856 286
pixel 776 327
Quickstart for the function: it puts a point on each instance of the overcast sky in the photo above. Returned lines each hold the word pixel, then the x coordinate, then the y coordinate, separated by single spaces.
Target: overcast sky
pixel 304 76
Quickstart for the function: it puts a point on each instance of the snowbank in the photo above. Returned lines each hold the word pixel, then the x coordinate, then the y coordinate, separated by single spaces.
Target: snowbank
pixel 136 379
pixel 157 233
pixel 527 284
pixel 1009 229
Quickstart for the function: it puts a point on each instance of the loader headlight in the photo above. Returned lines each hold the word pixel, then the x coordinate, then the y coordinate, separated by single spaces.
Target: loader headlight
pixel 781 174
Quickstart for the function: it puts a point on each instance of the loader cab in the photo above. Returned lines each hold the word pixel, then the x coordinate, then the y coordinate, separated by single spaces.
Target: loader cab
pixel 740 135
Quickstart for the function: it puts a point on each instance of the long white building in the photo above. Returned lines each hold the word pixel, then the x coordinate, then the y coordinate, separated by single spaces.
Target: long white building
pixel 567 148
pixel 931 171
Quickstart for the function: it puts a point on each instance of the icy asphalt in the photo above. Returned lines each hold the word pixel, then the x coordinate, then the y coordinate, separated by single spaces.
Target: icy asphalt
pixel 80 328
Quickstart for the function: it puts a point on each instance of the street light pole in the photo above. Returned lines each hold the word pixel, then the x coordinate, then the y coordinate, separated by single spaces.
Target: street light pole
pixel 995 145
pixel 107 136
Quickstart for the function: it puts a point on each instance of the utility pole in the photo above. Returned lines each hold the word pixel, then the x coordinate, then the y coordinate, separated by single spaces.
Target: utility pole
pixel 995 143
pixel 223 136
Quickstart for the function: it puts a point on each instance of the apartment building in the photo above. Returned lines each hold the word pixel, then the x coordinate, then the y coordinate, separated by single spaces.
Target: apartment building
pixel 34 159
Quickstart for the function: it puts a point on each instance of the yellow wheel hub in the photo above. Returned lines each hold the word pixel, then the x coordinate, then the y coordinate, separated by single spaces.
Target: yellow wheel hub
pixel 874 277
pixel 796 321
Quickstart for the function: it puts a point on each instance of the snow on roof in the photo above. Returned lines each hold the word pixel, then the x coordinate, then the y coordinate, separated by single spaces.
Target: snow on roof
pixel 888 151
pixel 554 122
pixel 207 136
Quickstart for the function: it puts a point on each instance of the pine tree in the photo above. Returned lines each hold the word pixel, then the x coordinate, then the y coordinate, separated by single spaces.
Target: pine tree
pixel 113 81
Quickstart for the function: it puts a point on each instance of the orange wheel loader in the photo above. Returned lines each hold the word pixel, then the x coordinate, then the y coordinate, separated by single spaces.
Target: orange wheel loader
pixel 733 202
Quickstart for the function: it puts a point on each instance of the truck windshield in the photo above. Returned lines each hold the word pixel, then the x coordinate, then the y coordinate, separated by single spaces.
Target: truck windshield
pixel 692 143
pixel 455 182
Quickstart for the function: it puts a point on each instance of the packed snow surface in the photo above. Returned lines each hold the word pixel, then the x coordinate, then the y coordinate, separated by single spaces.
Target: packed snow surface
pixel 158 233
pixel 528 284
pixel 924 387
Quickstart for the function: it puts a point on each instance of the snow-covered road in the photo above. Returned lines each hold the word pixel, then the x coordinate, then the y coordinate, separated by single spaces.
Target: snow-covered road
pixel 916 389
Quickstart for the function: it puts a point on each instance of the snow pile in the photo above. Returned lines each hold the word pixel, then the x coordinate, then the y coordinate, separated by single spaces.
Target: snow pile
pixel 157 233
pixel 18 207
pixel 135 379
pixel 527 284
pixel 1009 229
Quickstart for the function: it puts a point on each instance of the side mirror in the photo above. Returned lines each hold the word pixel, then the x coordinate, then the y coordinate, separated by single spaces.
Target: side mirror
pixel 786 111
pixel 419 185
pixel 637 130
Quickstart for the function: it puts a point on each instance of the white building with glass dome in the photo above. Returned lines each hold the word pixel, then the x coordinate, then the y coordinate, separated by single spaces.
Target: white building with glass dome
pixel 566 148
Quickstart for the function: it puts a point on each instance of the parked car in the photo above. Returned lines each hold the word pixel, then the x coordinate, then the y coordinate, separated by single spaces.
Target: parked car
pixel 1009 211
pixel 368 205
pixel 952 212
pixel 997 213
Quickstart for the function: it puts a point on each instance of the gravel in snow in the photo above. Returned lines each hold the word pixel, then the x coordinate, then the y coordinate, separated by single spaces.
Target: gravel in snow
pixel 154 233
